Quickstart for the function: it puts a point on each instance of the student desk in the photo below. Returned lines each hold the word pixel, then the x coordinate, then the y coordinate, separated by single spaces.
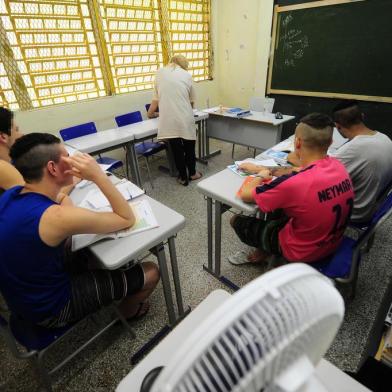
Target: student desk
pixel 332 377
pixel 128 136
pixel 114 254
pixel 259 130
pixel 221 188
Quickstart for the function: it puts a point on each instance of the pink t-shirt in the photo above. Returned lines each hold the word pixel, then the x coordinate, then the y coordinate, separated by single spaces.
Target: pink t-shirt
pixel 318 200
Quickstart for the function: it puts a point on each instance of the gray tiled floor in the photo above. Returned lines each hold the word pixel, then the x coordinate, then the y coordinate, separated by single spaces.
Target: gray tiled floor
pixel 101 367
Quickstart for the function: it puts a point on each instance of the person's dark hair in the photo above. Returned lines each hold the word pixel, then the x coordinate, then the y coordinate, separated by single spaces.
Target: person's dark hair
pixel 31 153
pixel 6 117
pixel 318 121
pixel 347 113
pixel 318 133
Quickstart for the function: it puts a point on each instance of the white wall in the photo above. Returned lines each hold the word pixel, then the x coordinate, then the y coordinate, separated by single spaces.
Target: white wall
pixel 244 29
pixel 241 42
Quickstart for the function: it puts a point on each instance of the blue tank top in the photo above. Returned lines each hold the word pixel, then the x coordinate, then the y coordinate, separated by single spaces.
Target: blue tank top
pixel 32 276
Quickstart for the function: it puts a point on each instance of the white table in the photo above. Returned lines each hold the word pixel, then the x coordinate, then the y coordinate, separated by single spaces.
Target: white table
pixel 127 136
pixel 259 130
pixel 222 188
pixel 288 145
pixel 333 378
pixel 114 254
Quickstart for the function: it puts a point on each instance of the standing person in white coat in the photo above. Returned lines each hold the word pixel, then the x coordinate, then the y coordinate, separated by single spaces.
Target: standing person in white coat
pixel 174 93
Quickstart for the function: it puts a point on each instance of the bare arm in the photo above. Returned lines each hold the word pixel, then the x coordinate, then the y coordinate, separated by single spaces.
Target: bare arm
pixel 9 176
pixel 152 110
pixel 61 221
pixel 247 190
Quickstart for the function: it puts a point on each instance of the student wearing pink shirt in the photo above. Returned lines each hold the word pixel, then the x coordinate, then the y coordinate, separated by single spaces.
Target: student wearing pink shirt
pixel 315 202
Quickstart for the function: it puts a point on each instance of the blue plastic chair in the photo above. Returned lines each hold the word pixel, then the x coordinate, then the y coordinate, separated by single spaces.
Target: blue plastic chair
pixel 38 340
pixel 87 129
pixel 343 266
pixel 145 148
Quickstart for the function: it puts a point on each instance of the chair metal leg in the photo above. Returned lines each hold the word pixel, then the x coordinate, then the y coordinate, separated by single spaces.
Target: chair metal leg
pixel 232 151
pixel 148 172
pixel 44 377
pixel 370 243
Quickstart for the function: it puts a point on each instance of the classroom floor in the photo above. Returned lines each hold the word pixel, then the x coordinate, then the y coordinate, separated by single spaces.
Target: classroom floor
pixel 107 361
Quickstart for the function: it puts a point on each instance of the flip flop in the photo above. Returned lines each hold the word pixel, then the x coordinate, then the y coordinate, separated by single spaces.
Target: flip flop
pixel 140 312
pixel 239 258
pixel 195 179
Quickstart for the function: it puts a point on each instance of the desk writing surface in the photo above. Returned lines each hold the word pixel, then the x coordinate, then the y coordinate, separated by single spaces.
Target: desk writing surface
pixel 262 117
pixel 100 140
pixel 223 187
pixel 115 253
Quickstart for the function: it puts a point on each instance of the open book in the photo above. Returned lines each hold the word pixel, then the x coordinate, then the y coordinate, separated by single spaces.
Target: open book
pixel 145 220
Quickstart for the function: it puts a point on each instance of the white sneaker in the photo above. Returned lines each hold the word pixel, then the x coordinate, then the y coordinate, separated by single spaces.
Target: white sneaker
pixel 239 258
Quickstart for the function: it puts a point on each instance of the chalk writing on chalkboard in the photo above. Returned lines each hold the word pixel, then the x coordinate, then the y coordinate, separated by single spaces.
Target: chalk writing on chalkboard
pixel 294 42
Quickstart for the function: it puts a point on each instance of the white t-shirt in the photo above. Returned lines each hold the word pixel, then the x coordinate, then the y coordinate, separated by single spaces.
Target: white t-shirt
pixel 368 160
pixel 174 90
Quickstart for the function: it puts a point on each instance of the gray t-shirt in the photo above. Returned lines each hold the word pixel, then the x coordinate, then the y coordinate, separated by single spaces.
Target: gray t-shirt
pixel 368 160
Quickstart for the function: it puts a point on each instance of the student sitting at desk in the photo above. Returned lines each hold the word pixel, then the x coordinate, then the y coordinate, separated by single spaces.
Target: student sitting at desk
pixel 316 201
pixel 367 157
pixel 37 280
pixel 9 132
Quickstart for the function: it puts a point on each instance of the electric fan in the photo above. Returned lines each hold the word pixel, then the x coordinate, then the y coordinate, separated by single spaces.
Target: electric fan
pixel 269 336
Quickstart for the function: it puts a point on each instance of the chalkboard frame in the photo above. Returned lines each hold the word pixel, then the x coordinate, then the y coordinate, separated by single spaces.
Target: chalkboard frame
pixel 278 10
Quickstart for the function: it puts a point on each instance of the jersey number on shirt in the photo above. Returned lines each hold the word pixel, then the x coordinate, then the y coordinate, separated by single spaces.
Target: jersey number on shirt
pixel 337 210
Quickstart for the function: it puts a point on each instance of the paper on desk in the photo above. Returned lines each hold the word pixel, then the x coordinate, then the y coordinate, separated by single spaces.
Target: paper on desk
pixel 71 151
pixel 97 199
pixel 144 220
pixel 211 110
pixel 235 168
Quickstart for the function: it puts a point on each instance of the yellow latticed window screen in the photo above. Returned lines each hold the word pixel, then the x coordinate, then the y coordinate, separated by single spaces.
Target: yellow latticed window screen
pixel 189 34
pixel 132 35
pixel 7 95
pixel 54 48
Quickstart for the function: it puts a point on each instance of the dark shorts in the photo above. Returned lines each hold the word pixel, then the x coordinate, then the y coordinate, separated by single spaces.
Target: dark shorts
pixel 261 234
pixel 94 289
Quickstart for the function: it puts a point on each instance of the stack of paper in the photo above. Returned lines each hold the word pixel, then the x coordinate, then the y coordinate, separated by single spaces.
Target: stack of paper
pixel 97 200
pixel 144 220
pixel 266 163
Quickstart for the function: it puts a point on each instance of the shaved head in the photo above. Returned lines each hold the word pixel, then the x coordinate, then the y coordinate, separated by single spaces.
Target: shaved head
pixel 315 130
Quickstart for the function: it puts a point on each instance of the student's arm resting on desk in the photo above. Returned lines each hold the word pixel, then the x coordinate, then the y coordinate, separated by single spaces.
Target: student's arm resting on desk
pixel 275 171
pixel 61 221
pixel 248 190
pixel 9 176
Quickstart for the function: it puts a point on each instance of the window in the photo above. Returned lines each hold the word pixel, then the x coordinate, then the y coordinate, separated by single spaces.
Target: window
pixel 132 37
pixel 70 50
pixel 54 48
pixel 189 34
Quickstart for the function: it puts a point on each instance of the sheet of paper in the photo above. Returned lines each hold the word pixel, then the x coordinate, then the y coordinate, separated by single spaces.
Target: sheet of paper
pixel 262 162
pixel 97 199
pixel 265 162
pixel 71 151
pixel 145 220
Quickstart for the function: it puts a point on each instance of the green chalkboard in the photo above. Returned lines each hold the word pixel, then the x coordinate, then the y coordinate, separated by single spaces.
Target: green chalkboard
pixel 333 49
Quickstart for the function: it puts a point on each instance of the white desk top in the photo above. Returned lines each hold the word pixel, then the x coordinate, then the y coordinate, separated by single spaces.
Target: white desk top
pixel 100 140
pixel 333 378
pixel 288 144
pixel 113 254
pixel 263 117
pixel 223 187
pixel 116 136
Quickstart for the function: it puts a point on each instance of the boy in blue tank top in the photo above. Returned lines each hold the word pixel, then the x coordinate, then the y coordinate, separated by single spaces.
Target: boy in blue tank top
pixel 35 222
